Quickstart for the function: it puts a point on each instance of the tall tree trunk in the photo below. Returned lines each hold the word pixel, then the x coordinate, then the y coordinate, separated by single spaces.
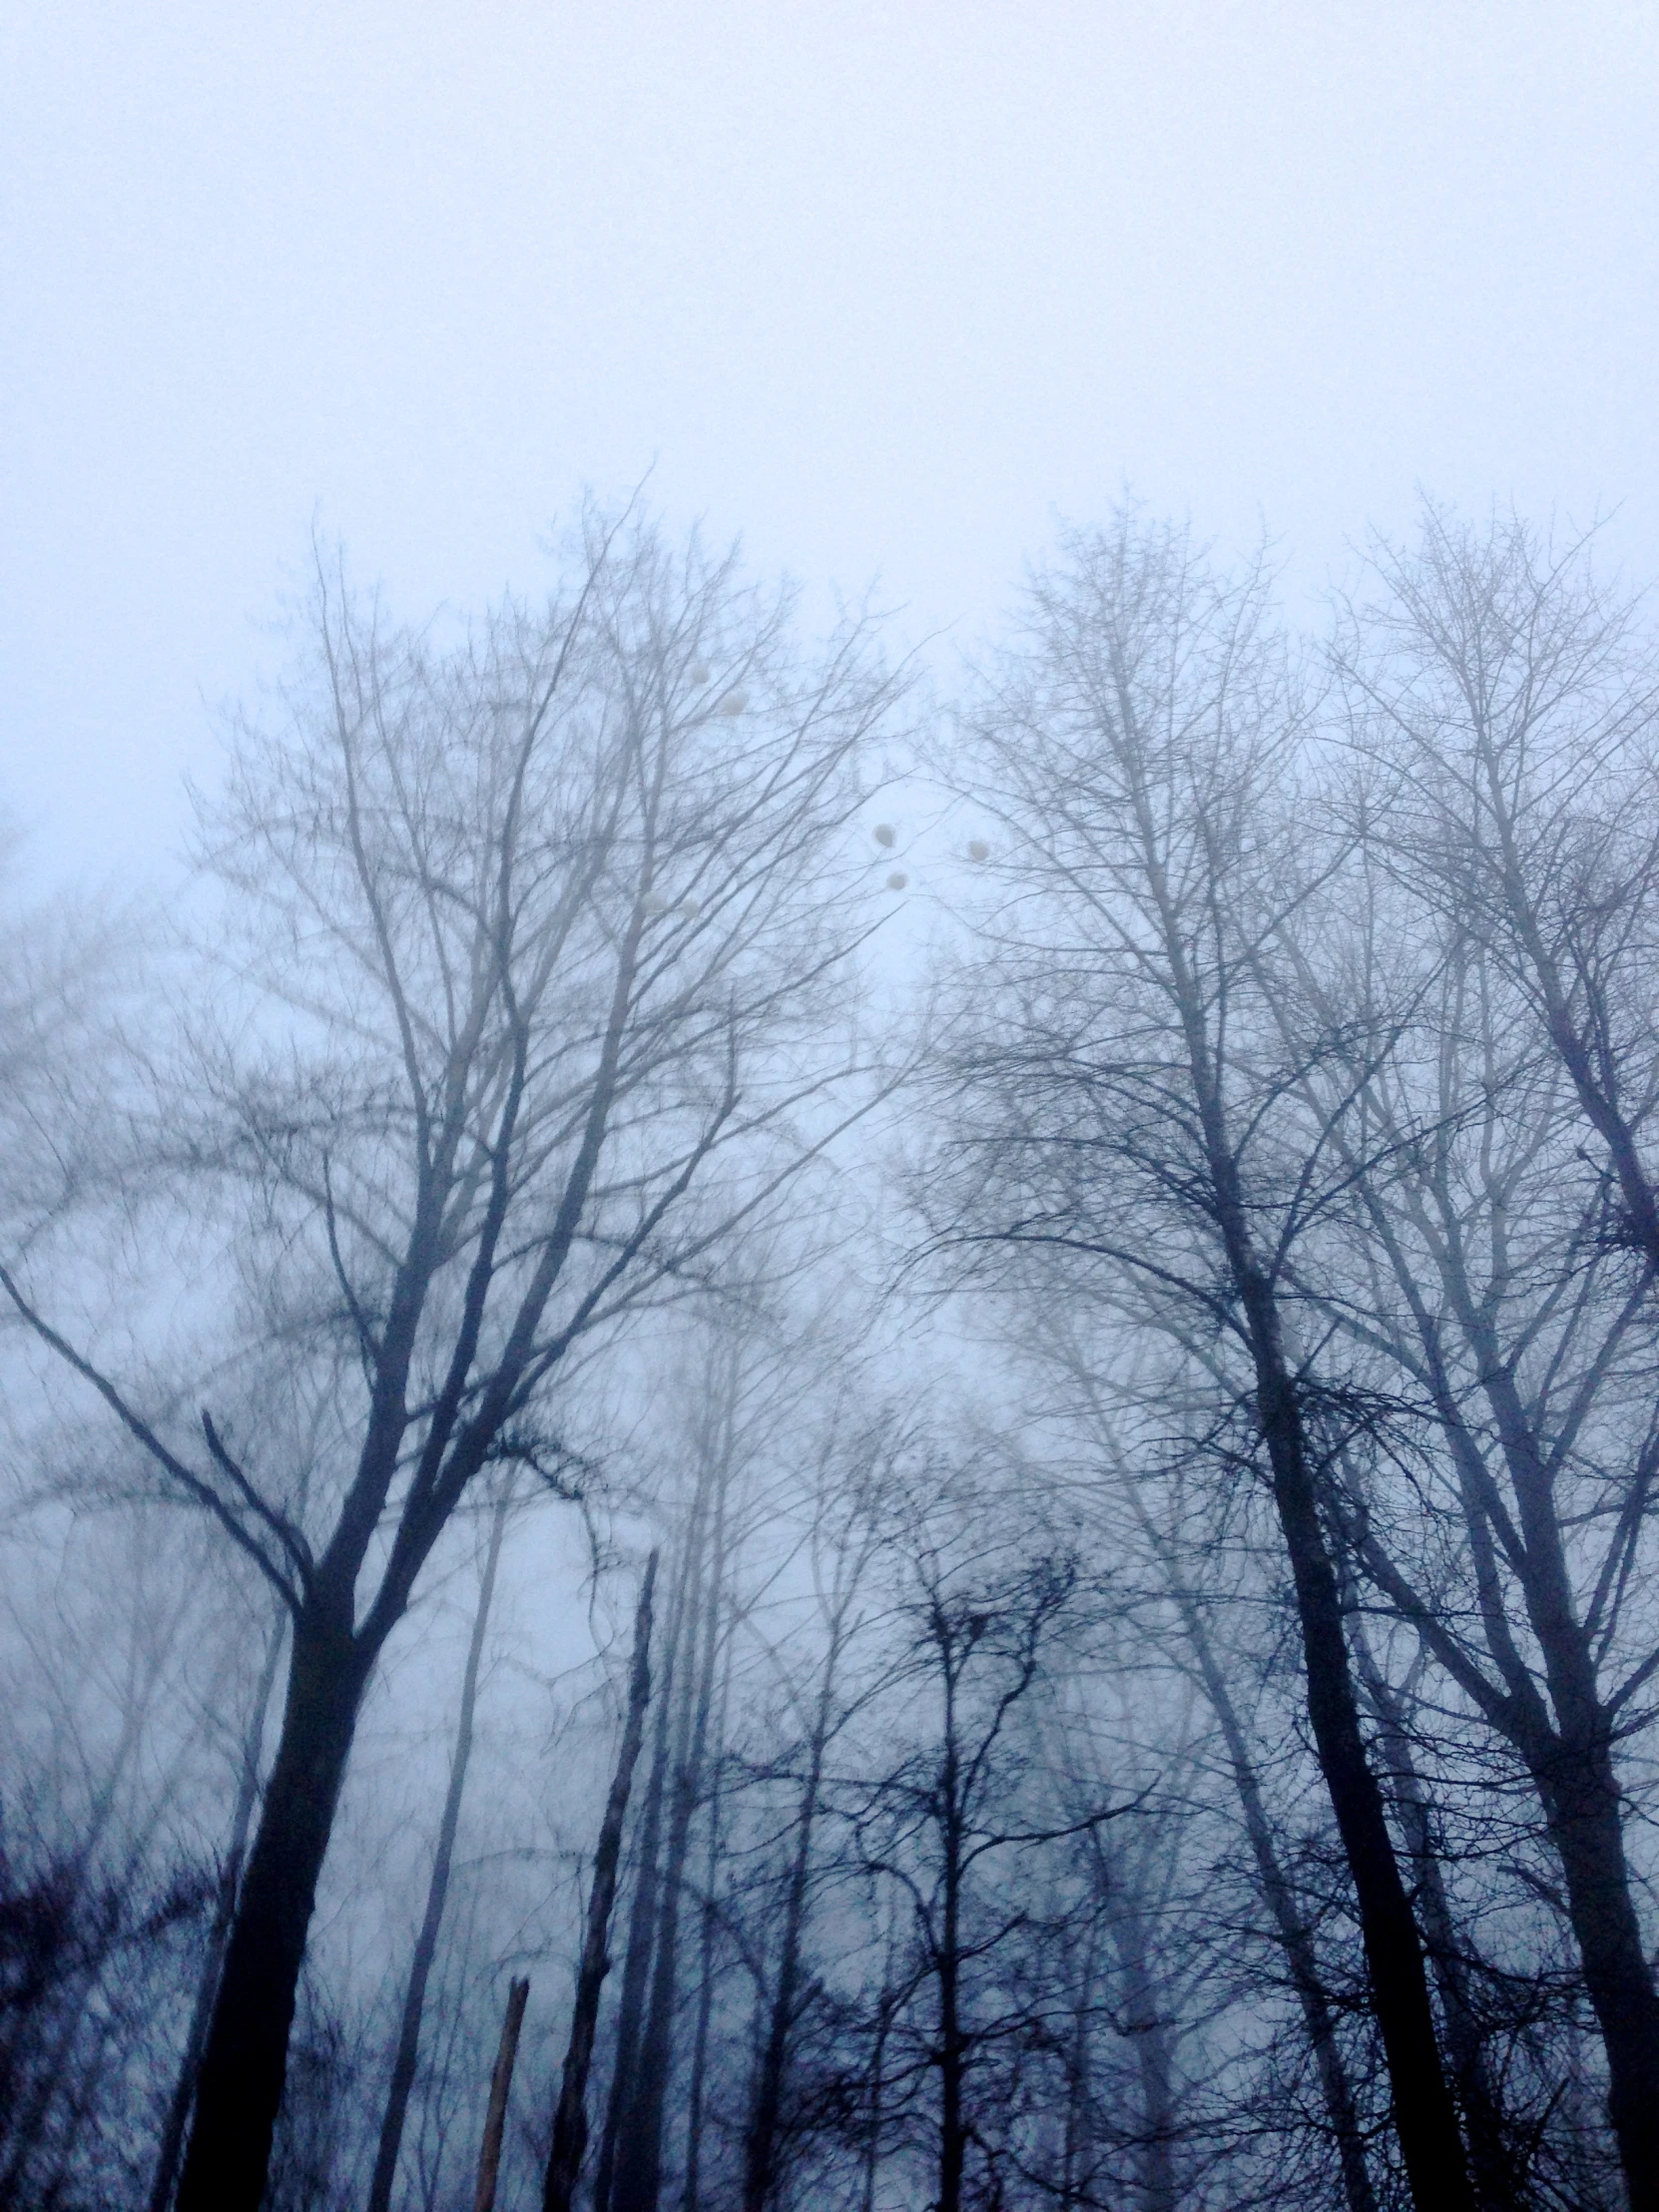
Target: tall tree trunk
pixel 691 2195
pixel 642 1918
pixel 1568 1756
pixel 570 2120
pixel 1288 1921
pixel 705 1957
pixel 1582 1802
pixel 761 2137
pixel 1495 2180
pixel 1424 2115
pixel 501 2084
pixel 886 2011
pixel 952 2047
pixel 877 2103
pixel 1572 1767
pixel 639 2172
pixel 1076 2143
pixel 1154 2060
pixel 1425 2119
pixel 224 1903
pixel 407 2053
pixel 240 2087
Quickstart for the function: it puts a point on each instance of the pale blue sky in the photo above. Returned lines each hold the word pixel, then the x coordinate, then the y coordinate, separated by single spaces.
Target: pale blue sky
pixel 882 287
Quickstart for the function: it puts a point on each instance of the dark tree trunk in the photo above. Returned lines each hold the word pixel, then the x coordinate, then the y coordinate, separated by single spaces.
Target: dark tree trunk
pixel 1425 2119
pixel 207 1989
pixel 501 2084
pixel 1568 1756
pixel 952 2047
pixel 240 2087
pixel 691 2196
pixel 1290 1926
pixel 761 2137
pixel 1424 2115
pixel 639 2171
pixel 570 2120
pixel 641 1923
pixel 1148 2032
pixel 407 2056
pixel 1493 2169
pixel 1582 1801
pixel 714 1845
pixel 1572 1767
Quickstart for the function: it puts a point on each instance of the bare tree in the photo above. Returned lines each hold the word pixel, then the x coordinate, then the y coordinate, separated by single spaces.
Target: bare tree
pixel 958 1804
pixel 1177 1575
pixel 1503 711
pixel 546 934
pixel 1123 1096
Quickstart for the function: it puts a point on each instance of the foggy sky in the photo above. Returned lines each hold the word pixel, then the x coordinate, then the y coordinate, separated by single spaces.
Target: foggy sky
pixel 882 287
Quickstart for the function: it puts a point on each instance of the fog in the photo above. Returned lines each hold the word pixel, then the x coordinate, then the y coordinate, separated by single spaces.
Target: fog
pixel 829 892
pixel 882 289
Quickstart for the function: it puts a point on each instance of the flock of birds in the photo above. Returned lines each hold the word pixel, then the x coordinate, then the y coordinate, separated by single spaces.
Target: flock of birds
pixel 734 701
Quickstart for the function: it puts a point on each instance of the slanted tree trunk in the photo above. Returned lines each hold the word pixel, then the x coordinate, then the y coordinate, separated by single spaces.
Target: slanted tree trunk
pixel 501 2084
pixel 570 2119
pixel 1279 1895
pixel 207 1987
pixel 407 2053
pixel 1495 2180
pixel 1297 1942
pixel 240 2086
pixel 636 1971
pixel 1578 1786
pixel 1424 2116
pixel 1569 1753
pixel 1582 1802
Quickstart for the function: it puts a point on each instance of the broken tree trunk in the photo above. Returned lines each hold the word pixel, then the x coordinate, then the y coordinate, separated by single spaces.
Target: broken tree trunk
pixel 501 2081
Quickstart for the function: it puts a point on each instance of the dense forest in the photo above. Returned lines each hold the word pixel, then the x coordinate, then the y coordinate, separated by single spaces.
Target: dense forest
pixel 787 1431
